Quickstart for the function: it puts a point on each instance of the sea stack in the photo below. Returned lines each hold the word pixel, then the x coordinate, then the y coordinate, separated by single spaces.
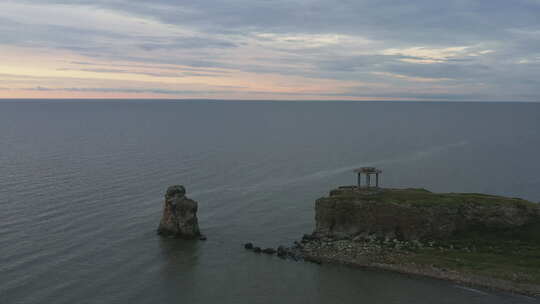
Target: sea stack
pixel 179 215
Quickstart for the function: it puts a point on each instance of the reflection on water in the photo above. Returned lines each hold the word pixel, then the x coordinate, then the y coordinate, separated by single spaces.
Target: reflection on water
pixel 178 255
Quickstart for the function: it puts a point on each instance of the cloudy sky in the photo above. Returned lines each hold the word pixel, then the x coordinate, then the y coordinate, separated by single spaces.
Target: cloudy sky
pixel 462 50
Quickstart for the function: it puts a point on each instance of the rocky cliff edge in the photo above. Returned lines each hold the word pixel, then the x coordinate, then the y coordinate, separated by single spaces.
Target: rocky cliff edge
pixel 417 214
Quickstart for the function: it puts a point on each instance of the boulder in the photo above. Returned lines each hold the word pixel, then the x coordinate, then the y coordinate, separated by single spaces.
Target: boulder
pixel 179 215
pixel 308 238
pixel 248 246
pixel 282 251
pixel 269 251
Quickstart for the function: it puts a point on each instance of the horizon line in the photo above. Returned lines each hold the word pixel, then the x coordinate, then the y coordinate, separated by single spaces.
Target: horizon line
pixel 260 100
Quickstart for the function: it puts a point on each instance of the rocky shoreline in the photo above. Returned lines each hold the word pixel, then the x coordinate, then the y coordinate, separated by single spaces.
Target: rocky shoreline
pixel 472 239
pixel 388 255
pixel 393 255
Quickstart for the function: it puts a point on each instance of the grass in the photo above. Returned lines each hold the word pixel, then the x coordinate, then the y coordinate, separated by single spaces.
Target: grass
pixel 422 197
pixel 518 262
pixel 510 254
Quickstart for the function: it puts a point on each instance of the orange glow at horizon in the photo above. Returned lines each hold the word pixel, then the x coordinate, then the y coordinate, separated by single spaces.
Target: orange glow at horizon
pixel 39 73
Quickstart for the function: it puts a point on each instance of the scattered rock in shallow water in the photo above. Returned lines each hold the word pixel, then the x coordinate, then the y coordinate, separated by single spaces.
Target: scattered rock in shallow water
pixel 308 238
pixel 269 251
pixel 282 252
pixel 293 253
pixel 179 215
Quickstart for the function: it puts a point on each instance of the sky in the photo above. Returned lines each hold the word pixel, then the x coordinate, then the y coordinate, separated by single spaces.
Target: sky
pixel 453 50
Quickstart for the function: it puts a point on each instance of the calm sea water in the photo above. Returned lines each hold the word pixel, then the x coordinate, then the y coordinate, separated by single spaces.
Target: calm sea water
pixel 82 184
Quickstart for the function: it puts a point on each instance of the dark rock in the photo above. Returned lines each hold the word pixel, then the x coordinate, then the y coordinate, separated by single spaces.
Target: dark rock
pixel 202 238
pixel 309 237
pixel 269 251
pixel 248 246
pixel 179 215
pixel 176 190
pixel 257 249
pixel 282 251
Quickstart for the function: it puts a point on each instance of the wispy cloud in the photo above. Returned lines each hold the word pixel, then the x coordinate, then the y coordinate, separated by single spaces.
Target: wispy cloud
pixel 455 50
pixel 153 74
pixel 124 90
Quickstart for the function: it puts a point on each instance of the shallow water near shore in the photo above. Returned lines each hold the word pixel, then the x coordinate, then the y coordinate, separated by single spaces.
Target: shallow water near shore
pixel 82 185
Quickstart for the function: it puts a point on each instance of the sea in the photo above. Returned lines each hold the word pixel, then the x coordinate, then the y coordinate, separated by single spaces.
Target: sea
pixel 82 186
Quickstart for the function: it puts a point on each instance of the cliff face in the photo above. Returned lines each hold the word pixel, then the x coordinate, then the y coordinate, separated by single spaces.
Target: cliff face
pixel 417 214
pixel 179 215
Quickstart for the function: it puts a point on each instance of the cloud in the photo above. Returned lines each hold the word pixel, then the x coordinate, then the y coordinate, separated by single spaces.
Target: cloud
pixel 188 43
pixel 134 72
pixel 125 90
pixel 395 46
pixel 436 55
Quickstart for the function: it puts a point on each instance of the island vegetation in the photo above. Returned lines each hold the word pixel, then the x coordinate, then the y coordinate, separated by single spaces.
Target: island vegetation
pixel 470 238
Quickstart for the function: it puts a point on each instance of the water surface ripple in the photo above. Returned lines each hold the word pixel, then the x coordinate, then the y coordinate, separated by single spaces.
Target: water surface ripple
pixel 81 188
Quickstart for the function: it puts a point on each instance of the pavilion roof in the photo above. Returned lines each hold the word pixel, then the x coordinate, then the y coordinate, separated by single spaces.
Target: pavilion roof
pixel 367 170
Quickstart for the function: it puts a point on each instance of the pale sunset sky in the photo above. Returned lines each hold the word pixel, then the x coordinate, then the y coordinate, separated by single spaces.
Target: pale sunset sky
pixel 456 50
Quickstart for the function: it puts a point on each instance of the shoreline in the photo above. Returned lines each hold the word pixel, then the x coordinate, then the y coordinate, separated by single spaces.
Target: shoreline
pixel 316 254
pixel 472 239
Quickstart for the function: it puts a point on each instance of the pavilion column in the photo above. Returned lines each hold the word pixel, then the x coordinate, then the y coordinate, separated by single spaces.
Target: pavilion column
pixel 367 172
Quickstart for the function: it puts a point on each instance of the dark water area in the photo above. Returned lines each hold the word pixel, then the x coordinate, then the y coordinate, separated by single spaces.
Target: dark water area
pixel 82 185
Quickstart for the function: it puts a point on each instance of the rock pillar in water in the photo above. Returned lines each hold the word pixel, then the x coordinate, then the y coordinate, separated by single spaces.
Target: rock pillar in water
pixel 179 215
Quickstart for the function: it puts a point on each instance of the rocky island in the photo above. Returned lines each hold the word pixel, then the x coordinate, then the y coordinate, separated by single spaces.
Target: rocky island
pixel 179 217
pixel 474 239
